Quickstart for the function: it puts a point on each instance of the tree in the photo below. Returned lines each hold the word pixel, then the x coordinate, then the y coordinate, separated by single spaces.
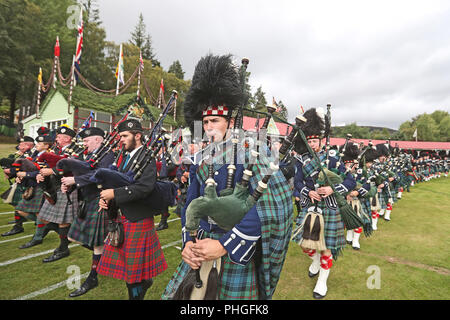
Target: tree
pixel 176 69
pixel 141 39
pixel 283 113
pixel 430 127
pixel 260 102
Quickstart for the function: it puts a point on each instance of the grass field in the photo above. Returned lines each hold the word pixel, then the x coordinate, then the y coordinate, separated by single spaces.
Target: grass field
pixel 410 253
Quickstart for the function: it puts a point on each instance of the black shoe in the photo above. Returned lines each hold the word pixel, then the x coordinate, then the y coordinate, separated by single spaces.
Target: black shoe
pixel 88 284
pixel 317 296
pixel 162 225
pixel 15 230
pixel 57 254
pixel 30 244
pixel 312 275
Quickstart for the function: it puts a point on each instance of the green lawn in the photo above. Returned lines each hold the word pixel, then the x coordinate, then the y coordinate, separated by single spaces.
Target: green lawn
pixel 411 253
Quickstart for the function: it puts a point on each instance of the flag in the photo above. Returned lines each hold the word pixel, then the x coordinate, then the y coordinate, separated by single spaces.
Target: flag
pixel 87 122
pixel 57 49
pixel 161 87
pixel 415 134
pixel 120 68
pixel 79 44
pixel 275 105
pixel 141 61
pixel 302 110
pixel 40 76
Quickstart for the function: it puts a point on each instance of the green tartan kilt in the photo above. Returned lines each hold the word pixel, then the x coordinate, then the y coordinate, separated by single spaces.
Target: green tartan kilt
pixel 237 282
pixel 34 204
pixel 365 214
pixel 17 197
pixel 334 228
pixel 92 230
pixel 383 198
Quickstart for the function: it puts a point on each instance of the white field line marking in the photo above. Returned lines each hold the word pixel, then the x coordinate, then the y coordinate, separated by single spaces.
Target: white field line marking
pixel 63 283
pixel 41 253
pixel 4 213
pixel 19 238
pixel 30 256
pixel 48 289
pixel 11 225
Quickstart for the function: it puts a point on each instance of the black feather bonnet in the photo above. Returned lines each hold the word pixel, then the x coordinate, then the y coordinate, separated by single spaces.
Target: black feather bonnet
pixel 215 83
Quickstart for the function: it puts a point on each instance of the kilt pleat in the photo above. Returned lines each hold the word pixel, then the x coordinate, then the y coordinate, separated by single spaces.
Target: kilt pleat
pixel 91 230
pixel 237 282
pixel 34 204
pixel 61 211
pixel 139 258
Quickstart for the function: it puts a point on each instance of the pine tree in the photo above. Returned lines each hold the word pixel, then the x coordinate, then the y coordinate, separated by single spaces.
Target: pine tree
pixel 143 41
pixel 177 70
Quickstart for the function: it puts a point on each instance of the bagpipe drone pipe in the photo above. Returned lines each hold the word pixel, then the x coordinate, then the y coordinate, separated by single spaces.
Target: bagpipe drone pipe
pixel 164 192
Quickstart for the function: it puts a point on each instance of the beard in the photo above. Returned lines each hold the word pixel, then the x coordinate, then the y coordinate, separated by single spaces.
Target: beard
pixel 132 145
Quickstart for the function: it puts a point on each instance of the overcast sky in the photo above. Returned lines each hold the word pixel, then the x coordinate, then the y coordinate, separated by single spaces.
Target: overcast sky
pixel 377 63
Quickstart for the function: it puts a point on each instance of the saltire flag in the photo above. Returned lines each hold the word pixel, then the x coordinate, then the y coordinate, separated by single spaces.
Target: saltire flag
pixel 120 68
pixel 87 122
pixel 79 44
pixel 57 48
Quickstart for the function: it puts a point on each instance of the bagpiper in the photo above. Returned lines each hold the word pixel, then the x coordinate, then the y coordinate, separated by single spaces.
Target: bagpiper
pixel 246 257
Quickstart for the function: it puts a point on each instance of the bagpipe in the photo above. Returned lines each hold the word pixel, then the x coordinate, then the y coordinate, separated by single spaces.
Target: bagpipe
pixel 164 193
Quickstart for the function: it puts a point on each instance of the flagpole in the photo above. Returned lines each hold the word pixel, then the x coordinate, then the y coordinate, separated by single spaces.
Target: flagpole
pixel 56 53
pixel 118 71
pixel 38 102
pixel 138 93
pixel 72 83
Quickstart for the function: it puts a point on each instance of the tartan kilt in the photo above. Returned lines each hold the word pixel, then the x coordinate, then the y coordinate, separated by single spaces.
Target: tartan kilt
pixel 383 198
pixel 17 197
pixel 61 212
pixel 139 258
pixel 365 207
pixel 365 213
pixel 92 230
pixel 333 228
pixel 34 204
pixel 237 282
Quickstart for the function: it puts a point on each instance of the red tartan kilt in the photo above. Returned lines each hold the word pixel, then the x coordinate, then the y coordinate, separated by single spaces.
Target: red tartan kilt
pixel 140 257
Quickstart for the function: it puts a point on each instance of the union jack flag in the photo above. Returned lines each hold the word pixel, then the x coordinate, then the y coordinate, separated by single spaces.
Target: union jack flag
pixel 79 44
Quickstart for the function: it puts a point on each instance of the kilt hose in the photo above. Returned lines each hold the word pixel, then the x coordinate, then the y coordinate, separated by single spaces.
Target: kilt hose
pixel 61 212
pixel 333 228
pixel 237 282
pixel 34 204
pixel 17 197
pixel 91 230
pixel 139 258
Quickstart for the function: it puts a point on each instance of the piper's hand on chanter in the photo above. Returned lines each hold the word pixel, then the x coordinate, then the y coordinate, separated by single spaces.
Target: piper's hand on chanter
pixel 21 174
pixel 325 191
pixel 68 181
pixel 102 205
pixel 40 178
pixel 190 257
pixel 107 194
pixel 208 249
pixel 314 196
pixel 46 172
